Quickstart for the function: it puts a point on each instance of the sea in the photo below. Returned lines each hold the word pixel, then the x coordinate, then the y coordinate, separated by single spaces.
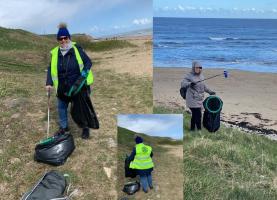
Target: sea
pixel 244 44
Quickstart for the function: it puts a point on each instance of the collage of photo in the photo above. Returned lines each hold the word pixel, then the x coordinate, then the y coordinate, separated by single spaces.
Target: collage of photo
pixel 138 100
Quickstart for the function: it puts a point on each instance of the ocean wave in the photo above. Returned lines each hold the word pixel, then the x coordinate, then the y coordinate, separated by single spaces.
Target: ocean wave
pixel 222 38
pixel 160 46
pixel 171 43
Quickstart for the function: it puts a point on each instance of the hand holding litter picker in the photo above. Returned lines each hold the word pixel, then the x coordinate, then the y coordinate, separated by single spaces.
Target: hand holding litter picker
pixel 225 73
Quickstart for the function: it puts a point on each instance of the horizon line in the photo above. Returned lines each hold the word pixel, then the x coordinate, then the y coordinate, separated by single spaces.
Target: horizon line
pixel 215 18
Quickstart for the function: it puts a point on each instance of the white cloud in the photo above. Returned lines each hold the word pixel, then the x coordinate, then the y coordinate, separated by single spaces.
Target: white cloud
pixel 190 8
pixel 34 14
pixel 142 21
pixel 181 8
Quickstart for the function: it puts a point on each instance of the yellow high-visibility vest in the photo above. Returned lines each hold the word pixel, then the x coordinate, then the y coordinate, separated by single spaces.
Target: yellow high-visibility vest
pixel 142 158
pixel 54 65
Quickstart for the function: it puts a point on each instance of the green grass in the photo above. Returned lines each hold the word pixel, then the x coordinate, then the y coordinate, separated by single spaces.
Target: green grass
pixel 88 44
pixel 228 164
pixel 17 39
pixel 106 45
pixel 112 93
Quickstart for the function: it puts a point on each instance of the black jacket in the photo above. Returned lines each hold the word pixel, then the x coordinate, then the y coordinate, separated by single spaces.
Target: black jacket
pixel 68 68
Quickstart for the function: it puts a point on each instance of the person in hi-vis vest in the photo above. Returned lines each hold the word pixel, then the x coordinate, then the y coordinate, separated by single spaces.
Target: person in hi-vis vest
pixel 68 63
pixel 141 161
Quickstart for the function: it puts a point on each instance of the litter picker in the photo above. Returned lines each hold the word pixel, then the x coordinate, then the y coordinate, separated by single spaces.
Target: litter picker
pixel 225 73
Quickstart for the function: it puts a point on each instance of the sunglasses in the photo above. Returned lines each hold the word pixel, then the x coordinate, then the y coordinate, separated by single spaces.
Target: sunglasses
pixel 199 67
pixel 63 38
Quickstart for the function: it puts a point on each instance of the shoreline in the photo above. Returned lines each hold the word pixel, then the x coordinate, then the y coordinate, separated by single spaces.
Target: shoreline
pixel 228 69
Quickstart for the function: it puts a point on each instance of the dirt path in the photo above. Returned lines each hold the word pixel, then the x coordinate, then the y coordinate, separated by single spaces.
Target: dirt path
pixel 174 150
pixel 167 175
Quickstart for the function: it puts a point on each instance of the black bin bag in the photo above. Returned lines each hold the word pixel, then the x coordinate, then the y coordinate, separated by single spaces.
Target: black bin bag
pixel 128 171
pixel 213 106
pixel 51 186
pixel 131 187
pixel 82 111
pixel 55 150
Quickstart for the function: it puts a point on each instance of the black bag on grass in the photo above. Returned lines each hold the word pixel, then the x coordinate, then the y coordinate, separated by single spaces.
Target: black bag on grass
pixel 55 150
pixel 128 171
pixel 213 106
pixel 51 186
pixel 131 187
pixel 82 111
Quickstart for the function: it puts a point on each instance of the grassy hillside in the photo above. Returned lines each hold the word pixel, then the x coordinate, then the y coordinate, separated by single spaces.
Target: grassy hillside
pixel 228 164
pixel 168 168
pixel 23 117
pixel 21 50
pixel 89 44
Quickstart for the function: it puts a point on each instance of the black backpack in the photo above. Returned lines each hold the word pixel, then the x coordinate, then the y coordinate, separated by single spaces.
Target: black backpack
pixel 51 186
pixel 183 92
pixel 55 150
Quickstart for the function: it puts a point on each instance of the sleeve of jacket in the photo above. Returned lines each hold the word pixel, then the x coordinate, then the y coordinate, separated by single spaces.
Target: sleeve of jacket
pixel 86 60
pixel 132 156
pixel 49 80
pixel 208 90
pixel 185 82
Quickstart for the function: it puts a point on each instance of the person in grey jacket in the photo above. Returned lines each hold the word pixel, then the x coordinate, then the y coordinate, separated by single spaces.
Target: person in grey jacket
pixel 195 94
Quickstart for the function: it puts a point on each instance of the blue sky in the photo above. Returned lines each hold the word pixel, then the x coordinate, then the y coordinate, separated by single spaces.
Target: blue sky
pixel 94 17
pixel 216 8
pixel 153 124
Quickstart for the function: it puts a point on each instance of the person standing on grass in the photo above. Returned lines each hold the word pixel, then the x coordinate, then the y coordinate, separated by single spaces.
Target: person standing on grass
pixel 195 94
pixel 68 63
pixel 141 161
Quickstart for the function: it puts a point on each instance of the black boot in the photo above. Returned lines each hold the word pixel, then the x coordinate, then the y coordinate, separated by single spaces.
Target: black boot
pixel 85 133
pixel 62 131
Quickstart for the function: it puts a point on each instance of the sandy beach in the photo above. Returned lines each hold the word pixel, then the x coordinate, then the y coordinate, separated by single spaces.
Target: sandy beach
pixel 249 97
pixel 134 61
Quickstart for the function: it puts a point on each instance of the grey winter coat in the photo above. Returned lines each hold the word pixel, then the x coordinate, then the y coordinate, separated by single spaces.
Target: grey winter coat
pixel 195 95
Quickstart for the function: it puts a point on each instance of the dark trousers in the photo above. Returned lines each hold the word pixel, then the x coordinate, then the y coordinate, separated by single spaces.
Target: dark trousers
pixel 195 118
